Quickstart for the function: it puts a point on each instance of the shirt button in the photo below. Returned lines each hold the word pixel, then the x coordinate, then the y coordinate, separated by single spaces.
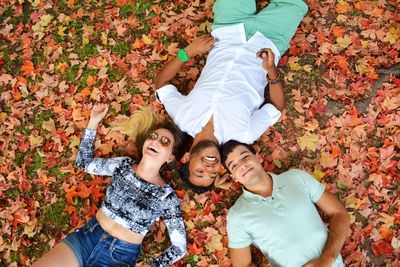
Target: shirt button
pixel 104 236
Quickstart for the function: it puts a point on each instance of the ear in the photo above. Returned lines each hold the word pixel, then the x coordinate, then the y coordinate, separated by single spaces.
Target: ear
pixel 185 158
pixel 170 159
pixel 260 158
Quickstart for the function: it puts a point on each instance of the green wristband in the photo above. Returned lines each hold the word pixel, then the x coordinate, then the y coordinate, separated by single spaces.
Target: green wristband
pixel 182 55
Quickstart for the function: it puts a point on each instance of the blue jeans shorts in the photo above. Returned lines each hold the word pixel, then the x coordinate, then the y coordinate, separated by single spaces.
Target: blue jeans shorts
pixel 95 247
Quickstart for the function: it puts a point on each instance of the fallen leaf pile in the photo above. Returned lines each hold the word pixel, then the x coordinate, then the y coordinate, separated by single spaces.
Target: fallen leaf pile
pixel 57 58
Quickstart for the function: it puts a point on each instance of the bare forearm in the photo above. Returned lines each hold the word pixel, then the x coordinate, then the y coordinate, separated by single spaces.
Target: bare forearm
pixel 92 124
pixel 276 93
pixel 168 72
pixel 338 230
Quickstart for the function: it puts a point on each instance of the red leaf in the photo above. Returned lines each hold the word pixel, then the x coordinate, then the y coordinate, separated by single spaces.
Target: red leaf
pixel 382 248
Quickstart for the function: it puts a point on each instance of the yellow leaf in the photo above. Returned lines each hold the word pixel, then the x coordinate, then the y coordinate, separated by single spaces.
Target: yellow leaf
pixel 3 116
pixel 214 243
pixel 318 174
pixel 325 48
pixel 104 38
pixel 309 141
pixel 50 126
pixel 61 30
pixel 35 140
pixel 85 40
pixel 344 41
pixel 293 63
pixel 391 36
pixel 45 20
pixel 74 141
pixel 147 40
pixel 29 228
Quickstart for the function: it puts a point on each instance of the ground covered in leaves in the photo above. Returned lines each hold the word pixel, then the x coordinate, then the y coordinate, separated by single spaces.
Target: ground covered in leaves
pixel 57 58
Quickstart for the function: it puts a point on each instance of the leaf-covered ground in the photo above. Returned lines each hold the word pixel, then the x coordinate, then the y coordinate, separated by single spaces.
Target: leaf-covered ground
pixel 57 58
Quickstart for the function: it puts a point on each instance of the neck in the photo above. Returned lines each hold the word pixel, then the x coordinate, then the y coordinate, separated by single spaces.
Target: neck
pixel 148 171
pixel 207 133
pixel 263 187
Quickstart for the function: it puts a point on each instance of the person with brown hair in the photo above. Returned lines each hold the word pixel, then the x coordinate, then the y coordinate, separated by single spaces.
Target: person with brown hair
pixel 137 196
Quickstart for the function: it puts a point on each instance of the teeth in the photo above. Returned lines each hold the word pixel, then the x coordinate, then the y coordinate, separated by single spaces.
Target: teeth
pixel 210 158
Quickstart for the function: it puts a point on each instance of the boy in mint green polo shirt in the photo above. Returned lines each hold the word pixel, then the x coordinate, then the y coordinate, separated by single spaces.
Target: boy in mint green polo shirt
pixel 278 214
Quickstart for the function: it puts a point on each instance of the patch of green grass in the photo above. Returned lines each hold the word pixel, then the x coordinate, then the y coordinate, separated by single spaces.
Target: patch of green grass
pixel 15 257
pixel 121 48
pixel 82 80
pixel 87 51
pixel 125 108
pixel 8 12
pixel 56 172
pixel 36 164
pixel 115 75
pixel 12 193
pixel 71 73
pixel 20 157
pixel 54 218
pixel 192 260
pixel 125 11
pixel 22 129
pixel 41 117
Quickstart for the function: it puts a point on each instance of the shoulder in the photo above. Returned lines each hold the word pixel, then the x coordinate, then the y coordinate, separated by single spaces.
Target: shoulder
pixel 237 209
pixel 294 175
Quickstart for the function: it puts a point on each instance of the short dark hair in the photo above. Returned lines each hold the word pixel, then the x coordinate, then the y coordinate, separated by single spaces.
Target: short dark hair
pixel 185 174
pixel 229 146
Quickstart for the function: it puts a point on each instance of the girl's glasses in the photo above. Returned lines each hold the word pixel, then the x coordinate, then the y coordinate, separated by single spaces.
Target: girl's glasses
pixel 165 141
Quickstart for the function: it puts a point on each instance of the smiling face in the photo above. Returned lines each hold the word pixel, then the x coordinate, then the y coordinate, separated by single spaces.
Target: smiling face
pixel 158 146
pixel 244 166
pixel 204 164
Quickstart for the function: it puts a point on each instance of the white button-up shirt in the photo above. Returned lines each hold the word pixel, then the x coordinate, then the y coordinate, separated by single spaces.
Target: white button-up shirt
pixel 230 88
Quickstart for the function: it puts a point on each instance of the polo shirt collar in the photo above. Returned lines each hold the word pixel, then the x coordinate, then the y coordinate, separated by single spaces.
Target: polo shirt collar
pixel 277 185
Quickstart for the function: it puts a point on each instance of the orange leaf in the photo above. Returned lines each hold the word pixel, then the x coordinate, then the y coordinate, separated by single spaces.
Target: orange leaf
pixel 338 31
pixel 28 68
pixel 193 249
pixel 71 3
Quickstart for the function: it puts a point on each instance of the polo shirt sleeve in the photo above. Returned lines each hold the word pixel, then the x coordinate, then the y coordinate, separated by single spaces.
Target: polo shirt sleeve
pixel 261 119
pixel 238 237
pixel 170 97
pixel 314 188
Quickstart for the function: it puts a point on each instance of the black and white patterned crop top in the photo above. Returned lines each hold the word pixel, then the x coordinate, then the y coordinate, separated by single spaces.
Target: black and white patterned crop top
pixel 134 203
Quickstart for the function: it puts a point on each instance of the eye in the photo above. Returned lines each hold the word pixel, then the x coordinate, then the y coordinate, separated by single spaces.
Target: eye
pixel 152 135
pixel 246 157
pixel 165 140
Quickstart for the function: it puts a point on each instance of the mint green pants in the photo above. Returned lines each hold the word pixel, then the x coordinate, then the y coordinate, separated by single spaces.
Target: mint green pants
pixel 278 21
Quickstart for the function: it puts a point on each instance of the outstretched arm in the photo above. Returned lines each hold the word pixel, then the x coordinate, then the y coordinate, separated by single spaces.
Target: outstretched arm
pixel 177 233
pixel 276 93
pixel 199 46
pixel 85 159
pixel 241 257
pixel 338 230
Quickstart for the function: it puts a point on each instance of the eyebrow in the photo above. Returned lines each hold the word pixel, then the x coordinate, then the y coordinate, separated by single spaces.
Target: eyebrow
pixel 230 163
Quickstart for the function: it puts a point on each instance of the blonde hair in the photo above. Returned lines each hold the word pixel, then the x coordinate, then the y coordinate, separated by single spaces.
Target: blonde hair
pixel 138 124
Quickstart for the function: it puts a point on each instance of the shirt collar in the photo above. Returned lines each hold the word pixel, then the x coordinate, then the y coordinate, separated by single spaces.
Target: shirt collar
pixel 277 185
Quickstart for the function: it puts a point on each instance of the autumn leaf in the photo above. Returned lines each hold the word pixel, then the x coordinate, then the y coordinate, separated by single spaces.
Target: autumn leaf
pixel 28 68
pixel 308 141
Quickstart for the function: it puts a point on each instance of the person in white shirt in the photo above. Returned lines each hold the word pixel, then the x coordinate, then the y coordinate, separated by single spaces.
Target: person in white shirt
pixel 228 100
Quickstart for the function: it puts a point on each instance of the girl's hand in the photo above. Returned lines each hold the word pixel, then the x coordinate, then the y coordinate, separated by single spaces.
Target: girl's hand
pixel 98 112
pixel 200 45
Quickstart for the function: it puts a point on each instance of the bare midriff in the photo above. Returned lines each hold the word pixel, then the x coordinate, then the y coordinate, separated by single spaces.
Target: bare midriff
pixel 117 230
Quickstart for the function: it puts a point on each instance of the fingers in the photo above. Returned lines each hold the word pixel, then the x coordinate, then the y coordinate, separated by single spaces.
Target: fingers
pixel 265 53
pixel 100 107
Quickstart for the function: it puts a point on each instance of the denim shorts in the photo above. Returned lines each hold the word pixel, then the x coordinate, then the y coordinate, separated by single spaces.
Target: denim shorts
pixel 95 247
